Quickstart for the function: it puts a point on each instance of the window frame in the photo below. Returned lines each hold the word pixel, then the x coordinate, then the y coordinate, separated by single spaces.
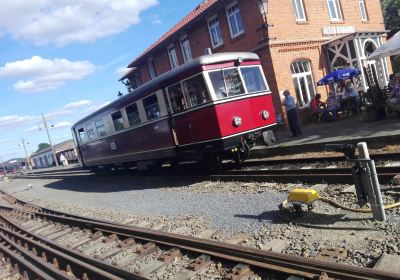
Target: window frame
pixel 102 125
pixel 363 9
pixel 112 120
pixel 127 116
pixel 144 106
pixel 303 75
pixel 152 68
pixel 173 57
pixel 338 10
pixel 217 25
pixel 214 94
pixel 267 89
pixel 186 51
pixel 296 4
pixel 93 135
pixel 84 139
pixel 229 22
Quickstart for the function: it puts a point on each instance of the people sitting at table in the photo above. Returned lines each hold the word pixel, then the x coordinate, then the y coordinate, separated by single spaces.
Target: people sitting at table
pixel 351 99
pixel 333 105
pixel 318 107
pixel 393 102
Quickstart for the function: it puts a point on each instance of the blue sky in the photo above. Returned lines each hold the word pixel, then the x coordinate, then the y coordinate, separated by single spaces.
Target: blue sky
pixel 63 59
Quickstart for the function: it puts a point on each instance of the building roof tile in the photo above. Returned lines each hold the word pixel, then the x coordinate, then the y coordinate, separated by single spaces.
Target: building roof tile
pixel 194 14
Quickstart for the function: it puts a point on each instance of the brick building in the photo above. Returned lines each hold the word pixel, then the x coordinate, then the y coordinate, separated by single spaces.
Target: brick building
pixel 44 158
pixel 298 41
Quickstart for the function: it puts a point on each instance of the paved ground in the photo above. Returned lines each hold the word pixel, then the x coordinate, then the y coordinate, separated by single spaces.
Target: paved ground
pixel 347 129
pixel 231 212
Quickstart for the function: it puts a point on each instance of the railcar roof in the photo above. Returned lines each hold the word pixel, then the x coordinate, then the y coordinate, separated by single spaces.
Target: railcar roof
pixel 161 80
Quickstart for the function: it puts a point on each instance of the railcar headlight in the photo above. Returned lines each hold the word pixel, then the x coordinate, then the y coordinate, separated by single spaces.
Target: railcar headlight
pixel 237 121
pixel 265 114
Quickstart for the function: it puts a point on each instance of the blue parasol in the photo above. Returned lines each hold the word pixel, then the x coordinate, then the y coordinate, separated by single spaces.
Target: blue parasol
pixel 339 75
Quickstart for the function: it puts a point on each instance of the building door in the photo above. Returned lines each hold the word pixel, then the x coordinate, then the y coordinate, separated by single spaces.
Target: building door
pixel 303 82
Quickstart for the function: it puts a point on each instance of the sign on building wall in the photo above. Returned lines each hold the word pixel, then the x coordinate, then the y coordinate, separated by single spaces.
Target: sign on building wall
pixel 337 30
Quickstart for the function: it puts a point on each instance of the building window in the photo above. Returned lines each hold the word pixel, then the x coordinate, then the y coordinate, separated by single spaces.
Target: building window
pixel 132 113
pixel 117 121
pixel 152 68
pixel 151 107
pixel 234 20
pixel 215 32
pixel 101 129
pixel 299 10
pixel 334 10
pixel 303 82
pixel 187 54
pixel 363 10
pixel 173 59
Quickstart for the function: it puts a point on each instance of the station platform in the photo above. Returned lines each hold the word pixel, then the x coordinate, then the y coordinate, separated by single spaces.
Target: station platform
pixel 351 129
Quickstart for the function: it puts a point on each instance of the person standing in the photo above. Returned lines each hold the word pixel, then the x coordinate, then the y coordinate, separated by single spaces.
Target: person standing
pixel 291 113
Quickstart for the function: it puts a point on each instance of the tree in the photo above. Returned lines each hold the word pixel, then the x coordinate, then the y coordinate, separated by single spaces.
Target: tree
pixel 390 15
pixel 42 146
pixel 390 10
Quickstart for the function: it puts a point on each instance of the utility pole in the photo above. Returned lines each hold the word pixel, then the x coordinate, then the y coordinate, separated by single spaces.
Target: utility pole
pixel 51 144
pixel 2 163
pixel 26 154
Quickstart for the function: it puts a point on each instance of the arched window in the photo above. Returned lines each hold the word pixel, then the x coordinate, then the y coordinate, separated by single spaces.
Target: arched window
pixel 303 81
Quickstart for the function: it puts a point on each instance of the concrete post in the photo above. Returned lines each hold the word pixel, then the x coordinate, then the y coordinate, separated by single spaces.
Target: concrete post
pixel 372 183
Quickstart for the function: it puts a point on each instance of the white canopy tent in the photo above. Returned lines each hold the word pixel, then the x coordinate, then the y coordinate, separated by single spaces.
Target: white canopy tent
pixel 392 47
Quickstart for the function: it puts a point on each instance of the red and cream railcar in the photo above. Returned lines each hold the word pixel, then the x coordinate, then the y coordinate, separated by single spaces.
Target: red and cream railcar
pixel 212 107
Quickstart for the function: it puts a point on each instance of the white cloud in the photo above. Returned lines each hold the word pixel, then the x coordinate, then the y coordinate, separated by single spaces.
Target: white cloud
pixel 62 22
pixel 61 125
pixel 13 121
pixel 95 107
pixel 78 104
pixel 121 71
pixel 4 141
pixel 45 74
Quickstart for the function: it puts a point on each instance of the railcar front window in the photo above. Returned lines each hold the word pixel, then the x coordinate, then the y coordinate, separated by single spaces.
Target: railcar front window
pixel 101 129
pixel 117 121
pixel 176 98
pixel 132 113
pixel 253 79
pixel 196 90
pixel 151 107
pixel 226 83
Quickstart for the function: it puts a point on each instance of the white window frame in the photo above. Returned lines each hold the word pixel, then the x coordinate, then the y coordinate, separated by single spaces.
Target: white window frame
pixel 152 70
pixel 229 22
pixel 363 10
pixel 338 10
pixel 304 75
pixel 212 26
pixel 173 58
pixel 185 46
pixel 299 9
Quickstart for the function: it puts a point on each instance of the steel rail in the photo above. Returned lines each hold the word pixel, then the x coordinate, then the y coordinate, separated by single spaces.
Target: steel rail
pixel 22 266
pixel 102 267
pixel 61 265
pixel 376 157
pixel 304 267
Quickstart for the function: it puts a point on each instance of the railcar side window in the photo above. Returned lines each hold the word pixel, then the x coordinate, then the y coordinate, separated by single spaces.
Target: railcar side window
pixel 82 135
pixel 253 79
pixel 176 97
pixel 226 83
pixel 90 132
pixel 101 129
pixel 196 90
pixel 117 121
pixel 151 107
pixel 132 113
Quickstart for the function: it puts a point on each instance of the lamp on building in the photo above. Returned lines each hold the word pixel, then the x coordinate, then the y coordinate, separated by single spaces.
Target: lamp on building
pixel 263 8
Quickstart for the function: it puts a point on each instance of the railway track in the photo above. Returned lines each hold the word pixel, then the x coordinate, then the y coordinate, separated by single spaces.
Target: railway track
pixel 93 246
pixel 314 175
